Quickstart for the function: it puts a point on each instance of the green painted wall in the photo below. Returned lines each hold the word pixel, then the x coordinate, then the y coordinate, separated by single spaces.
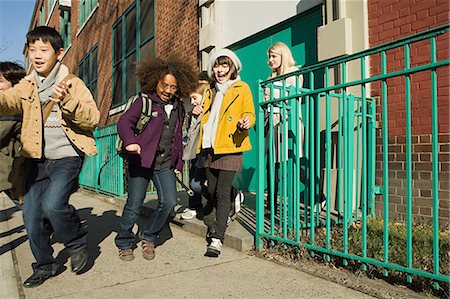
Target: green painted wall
pixel 300 34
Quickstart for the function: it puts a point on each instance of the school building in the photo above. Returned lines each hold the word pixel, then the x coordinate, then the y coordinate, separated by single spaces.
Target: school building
pixel 105 39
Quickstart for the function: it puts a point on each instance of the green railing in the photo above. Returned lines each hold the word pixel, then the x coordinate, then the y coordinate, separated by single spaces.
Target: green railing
pixel 106 172
pixel 331 189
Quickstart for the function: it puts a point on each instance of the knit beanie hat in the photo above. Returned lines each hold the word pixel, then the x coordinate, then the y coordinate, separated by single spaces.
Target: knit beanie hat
pixel 223 52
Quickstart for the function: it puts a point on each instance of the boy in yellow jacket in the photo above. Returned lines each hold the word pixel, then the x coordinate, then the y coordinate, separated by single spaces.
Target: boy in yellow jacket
pixel 59 115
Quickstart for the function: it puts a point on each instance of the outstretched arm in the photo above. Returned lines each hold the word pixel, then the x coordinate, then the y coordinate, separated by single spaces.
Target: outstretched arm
pixel 77 104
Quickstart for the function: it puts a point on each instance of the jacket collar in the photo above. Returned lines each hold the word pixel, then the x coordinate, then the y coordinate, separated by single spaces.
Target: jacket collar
pixel 63 72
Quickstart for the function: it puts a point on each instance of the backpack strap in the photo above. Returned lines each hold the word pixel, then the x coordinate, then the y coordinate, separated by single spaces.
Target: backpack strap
pixel 146 112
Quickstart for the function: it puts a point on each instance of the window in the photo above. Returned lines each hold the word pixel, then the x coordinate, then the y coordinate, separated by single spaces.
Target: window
pixel 86 7
pixel 42 15
pixel 133 41
pixel 64 21
pixel 87 70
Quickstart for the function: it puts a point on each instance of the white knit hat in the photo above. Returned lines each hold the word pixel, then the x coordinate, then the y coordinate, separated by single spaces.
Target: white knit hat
pixel 223 52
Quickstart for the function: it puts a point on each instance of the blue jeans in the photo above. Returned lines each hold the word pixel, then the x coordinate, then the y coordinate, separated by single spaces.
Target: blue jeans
pixel 138 180
pixel 46 210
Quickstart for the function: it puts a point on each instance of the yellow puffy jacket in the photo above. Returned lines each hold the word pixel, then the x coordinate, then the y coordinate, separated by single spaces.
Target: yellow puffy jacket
pixel 237 103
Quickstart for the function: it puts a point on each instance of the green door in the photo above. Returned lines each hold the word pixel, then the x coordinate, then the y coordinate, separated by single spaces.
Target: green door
pixel 300 34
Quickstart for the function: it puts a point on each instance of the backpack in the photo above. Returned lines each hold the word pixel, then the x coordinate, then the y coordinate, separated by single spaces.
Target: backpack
pixel 144 118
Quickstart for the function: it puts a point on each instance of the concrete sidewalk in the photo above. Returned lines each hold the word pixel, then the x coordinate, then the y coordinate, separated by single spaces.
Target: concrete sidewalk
pixel 179 269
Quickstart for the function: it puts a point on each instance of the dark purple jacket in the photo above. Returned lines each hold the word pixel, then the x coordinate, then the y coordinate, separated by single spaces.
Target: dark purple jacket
pixel 150 137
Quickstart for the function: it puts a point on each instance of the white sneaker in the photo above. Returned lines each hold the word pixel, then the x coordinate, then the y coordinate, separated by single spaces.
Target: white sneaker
pixel 188 214
pixel 236 204
pixel 213 249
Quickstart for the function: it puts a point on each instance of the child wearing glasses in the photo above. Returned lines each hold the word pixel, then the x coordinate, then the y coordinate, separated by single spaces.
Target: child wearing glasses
pixel 156 153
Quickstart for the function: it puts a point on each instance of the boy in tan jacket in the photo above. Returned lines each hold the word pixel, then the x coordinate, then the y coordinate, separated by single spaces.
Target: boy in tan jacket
pixel 59 115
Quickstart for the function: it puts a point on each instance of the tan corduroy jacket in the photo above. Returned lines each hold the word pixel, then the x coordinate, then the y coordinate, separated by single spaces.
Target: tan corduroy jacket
pixel 79 112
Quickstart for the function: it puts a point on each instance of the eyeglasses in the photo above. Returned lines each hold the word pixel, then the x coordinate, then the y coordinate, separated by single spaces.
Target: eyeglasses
pixel 164 86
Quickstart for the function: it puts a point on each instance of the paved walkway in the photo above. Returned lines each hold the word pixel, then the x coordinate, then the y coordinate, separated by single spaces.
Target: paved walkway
pixel 179 270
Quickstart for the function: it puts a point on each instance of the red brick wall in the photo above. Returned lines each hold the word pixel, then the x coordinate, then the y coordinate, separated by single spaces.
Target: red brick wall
pixel 391 20
pixel 177 29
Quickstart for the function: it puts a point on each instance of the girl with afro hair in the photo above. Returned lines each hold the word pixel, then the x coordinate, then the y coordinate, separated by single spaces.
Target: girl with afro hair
pixel 156 153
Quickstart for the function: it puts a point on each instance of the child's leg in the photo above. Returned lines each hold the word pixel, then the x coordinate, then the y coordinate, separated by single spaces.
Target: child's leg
pixel 63 175
pixel 223 189
pixel 197 182
pixel 38 228
pixel 138 179
pixel 165 183
pixel 211 178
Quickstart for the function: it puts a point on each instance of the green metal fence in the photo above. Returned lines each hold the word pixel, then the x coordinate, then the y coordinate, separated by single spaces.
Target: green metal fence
pixel 331 189
pixel 106 172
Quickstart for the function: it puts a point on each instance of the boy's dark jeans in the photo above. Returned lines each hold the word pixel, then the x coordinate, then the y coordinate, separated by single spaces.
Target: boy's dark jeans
pixel 47 210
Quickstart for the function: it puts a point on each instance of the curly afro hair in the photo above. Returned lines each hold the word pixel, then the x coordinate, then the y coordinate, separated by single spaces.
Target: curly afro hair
pixel 151 71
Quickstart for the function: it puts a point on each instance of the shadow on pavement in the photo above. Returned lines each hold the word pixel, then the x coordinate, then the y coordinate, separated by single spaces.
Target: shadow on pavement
pixel 99 228
pixel 13 244
pixel 6 214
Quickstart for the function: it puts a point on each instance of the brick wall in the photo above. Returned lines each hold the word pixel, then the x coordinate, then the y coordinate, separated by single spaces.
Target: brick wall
pixel 390 20
pixel 177 28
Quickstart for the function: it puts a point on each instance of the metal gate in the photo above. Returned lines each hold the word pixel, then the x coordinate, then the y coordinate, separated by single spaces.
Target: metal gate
pixel 334 122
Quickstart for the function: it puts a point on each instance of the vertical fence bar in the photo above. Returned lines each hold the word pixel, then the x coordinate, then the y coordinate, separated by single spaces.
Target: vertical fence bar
pixel 328 161
pixel 312 174
pixel 317 143
pixel 372 165
pixel 297 165
pixel 271 196
pixel 260 170
pixel 346 160
pixel 359 145
pixel 364 162
pixel 434 159
pixel 283 168
pixel 408 163
pixel 385 132
pixel 350 147
pixel 307 158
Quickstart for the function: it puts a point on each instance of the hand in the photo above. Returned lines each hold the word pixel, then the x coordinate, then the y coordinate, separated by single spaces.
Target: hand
pixel 244 123
pixel 60 91
pixel 197 110
pixel 176 171
pixel 133 148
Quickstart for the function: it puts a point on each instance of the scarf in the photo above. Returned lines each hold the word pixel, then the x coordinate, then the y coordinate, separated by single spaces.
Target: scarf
pixel 210 127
